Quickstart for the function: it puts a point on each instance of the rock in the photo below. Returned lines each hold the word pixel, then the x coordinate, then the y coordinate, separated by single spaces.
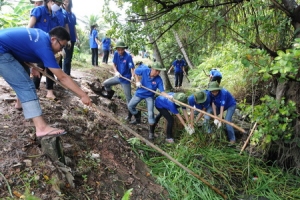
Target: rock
pixel 27 162
pixel 52 147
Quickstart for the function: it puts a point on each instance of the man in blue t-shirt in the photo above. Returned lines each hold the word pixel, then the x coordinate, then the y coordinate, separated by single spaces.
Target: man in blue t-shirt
pixel 215 75
pixel 165 106
pixel 123 67
pixel 179 70
pixel 200 100
pixel 106 42
pixel 31 45
pixel 147 82
pixel 222 101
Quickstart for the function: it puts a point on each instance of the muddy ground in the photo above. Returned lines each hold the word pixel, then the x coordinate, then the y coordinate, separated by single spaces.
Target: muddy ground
pixel 99 162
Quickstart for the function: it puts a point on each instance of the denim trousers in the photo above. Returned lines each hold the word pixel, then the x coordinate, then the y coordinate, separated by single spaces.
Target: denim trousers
pixel 115 81
pixel 17 77
pixel 228 117
pixel 68 59
pixel 178 79
pixel 150 107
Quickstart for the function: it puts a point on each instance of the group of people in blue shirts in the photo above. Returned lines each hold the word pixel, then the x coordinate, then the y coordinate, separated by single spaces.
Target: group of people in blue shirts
pixel 45 16
pixel 95 42
pixel 48 33
pixel 214 99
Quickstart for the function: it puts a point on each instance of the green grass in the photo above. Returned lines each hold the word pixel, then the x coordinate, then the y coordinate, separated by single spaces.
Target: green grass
pixel 222 166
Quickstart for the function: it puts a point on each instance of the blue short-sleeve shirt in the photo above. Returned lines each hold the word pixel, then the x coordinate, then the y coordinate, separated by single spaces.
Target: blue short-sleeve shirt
pixel 224 98
pixel 61 15
pixel 72 22
pixel 93 36
pixel 163 102
pixel 153 83
pixel 124 65
pixel 44 20
pixel 200 106
pixel 215 73
pixel 178 65
pixel 28 45
pixel 106 43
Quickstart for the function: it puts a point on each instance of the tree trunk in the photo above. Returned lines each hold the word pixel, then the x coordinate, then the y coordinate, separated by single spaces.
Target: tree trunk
pixel 183 50
pixel 288 156
pixel 163 74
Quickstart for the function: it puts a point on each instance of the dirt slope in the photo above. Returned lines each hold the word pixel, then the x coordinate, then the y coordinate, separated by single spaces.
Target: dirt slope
pixel 96 152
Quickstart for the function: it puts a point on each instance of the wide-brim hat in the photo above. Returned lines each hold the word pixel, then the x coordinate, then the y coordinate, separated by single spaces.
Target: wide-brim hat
pixel 121 44
pixel 32 1
pixel 200 97
pixel 180 97
pixel 158 66
pixel 179 56
pixel 214 85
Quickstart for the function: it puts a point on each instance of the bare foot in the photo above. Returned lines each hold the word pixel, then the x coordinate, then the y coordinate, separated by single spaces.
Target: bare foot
pixel 50 95
pixel 50 131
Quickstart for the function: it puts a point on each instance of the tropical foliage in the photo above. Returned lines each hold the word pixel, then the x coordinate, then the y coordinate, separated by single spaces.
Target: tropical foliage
pixel 251 41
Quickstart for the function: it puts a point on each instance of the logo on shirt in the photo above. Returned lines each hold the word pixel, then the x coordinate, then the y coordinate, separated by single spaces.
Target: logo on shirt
pixel 124 61
pixel 153 82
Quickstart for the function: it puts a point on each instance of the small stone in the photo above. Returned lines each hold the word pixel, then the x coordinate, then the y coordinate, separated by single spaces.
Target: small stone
pixel 27 162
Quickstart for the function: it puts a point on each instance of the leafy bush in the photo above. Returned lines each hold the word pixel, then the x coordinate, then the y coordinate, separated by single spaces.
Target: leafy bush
pixel 274 120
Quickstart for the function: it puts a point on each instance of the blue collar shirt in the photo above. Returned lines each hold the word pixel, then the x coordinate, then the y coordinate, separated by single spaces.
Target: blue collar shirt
pixel 44 20
pixel 153 83
pixel 163 102
pixel 178 65
pixel 28 45
pixel 124 65
pixel 224 98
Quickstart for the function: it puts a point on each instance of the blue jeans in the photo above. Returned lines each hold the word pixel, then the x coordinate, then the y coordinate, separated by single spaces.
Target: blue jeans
pixel 150 107
pixel 17 77
pixel 228 117
pixel 115 81
pixel 68 59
